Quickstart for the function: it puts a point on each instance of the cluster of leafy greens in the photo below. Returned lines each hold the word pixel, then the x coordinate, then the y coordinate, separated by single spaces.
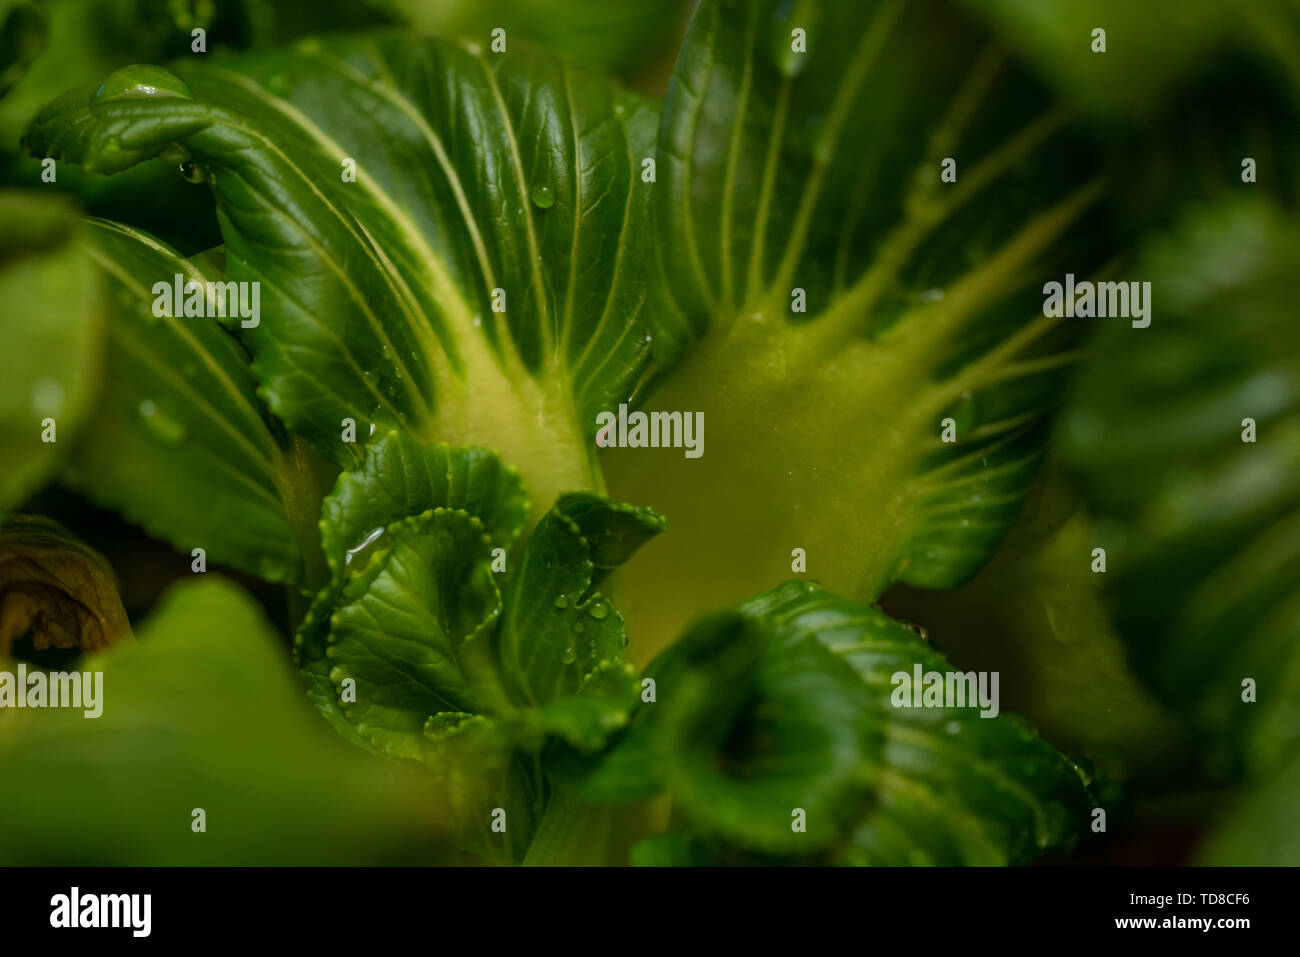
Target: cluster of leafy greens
pixel 465 253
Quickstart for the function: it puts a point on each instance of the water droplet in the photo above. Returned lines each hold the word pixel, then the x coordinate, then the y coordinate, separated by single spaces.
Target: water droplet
pixel 1085 769
pixel 543 196
pixel 570 655
pixel 140 82
pixel 192 172
pixel 578 627
pixel 160 425
pixel 364 546
pixel 561 602
pixel 113 144
pixel 599 610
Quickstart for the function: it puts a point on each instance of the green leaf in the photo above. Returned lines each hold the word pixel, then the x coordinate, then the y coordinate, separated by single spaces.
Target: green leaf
pixel 474 172
pixel 83 40
pixel 201 713
pixel 614 530
pixel 672 850
pixel 1202 532
pixel 401 483
pixel 472 758
pixel 622 36
pixel 23 29
pixel 1140 65
pixel 746 741
pixel 54 311
pixel 788 704
pixel 179 410
pixel 55 589
pixel 414 624
pixel 399 627
pixel 400 478
pixel 412 652
pixel 584 720
pixel 554 629
pixel 1259 829
pixel 820 172
pixel 1039 615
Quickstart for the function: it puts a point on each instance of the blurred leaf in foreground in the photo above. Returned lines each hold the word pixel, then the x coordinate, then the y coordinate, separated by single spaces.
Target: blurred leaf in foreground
pixel 49 367
pixel 1038 615
pixel 1187 439
pixel 202 712
pixel 1260 831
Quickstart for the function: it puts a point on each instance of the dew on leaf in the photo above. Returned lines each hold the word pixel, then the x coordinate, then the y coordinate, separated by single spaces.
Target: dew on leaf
pixel 543 197
pixel 561 602
pixel 364 546
pixel 142 82
pixel 192 172
pixel 1084 768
